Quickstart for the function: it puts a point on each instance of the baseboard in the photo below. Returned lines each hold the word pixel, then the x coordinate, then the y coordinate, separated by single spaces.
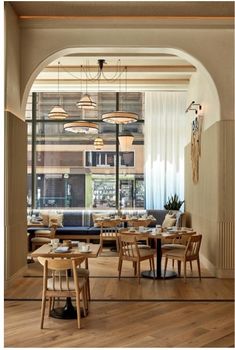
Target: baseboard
pixel 208 265
pixel 19 273
pixel 222 273
pixel 219 273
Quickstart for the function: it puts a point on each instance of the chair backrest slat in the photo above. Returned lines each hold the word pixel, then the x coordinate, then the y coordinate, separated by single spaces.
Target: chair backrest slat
pixel 128 245
pixel 193 245
pixel 58 267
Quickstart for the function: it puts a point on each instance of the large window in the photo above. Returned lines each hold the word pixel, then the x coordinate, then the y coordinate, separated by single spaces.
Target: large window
pixel 65 170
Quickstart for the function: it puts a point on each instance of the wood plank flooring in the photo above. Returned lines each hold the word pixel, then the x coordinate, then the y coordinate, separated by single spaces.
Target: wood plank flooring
pixel 161 313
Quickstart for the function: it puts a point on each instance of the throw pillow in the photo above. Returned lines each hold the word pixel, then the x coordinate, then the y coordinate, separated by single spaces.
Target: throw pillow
pixel 96 218
pixel 169 220
pixel 45 218
pixel 56 219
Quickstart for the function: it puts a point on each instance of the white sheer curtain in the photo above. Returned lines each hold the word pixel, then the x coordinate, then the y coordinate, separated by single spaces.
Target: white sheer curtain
pixel 164 146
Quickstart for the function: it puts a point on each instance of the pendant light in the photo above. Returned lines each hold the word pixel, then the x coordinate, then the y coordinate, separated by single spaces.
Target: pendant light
pixel 57 111
pixel 86 101
pixel 120 117
pixel 81 127
pixel 125 140
pixel 98 143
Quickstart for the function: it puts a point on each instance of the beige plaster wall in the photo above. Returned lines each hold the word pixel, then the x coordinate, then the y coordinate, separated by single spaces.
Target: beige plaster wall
pixel 201 92
pixel 201 199
pixel 12 62
pixel 15 194
pixel 211 47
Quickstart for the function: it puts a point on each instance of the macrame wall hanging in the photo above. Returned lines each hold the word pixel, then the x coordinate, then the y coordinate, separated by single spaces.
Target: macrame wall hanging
pixel 196 147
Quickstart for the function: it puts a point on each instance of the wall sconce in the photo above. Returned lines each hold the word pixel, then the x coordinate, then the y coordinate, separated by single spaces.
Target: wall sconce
pixel 194 107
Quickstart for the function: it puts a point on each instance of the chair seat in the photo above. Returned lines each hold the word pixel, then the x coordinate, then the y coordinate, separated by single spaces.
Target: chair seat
pixel 40 240
pixel 63 285
pixel 143 246
pixel 146 252
pixel 82 272
pixel 173 246
pixel 176 252
pixel 42 232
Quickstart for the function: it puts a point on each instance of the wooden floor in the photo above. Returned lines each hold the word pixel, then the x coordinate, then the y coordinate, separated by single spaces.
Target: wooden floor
pixel 160 313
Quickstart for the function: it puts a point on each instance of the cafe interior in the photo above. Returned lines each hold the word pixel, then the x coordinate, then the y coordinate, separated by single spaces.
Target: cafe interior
pixel 118 174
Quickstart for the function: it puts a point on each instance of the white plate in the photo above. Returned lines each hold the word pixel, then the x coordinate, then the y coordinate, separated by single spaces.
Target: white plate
pixel 62 250
pixel 87 251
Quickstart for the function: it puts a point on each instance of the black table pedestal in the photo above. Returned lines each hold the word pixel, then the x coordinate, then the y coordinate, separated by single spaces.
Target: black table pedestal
pixel 159 272
pixel 68 312
pixel 149 274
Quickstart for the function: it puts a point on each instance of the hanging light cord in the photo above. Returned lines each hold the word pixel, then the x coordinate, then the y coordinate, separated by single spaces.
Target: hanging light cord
pixel 86 70
pixel 58 83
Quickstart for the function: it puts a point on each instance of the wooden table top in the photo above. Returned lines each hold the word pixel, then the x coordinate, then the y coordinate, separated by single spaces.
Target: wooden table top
pixel 35 224
pixel 149 233
pixel 47 251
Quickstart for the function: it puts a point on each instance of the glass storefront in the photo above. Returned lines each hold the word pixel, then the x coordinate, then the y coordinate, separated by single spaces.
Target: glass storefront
pixel 66 171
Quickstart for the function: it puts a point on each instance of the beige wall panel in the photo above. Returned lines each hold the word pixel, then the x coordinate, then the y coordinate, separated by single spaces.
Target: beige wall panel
pixel 226 171
pixel 226 199
pixel 15 194
pixel 210 202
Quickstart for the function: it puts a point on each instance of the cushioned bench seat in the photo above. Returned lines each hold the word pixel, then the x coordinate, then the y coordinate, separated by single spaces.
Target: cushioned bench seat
pixel 78 224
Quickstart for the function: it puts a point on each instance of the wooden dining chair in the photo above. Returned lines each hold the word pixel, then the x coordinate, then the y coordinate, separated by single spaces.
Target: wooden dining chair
pixel 109 232
pixel 176 241
pixel 85 273
pixel 136 223
pixel 129 251
pixel 57 283
pixel 43 236
pixel 189 252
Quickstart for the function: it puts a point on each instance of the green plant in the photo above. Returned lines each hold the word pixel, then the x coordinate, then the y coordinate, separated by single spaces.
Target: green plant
pixel 173 203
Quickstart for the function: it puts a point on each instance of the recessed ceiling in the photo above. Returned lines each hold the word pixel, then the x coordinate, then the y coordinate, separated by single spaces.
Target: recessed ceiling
pixel 162 71
pixel 127 8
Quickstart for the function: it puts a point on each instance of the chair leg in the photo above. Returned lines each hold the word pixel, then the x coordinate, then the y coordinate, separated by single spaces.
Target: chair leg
pixel 166 260
pixel 153 265
pixel 119 268
pixel 84 300
pixel 117 244
pixel 135 267
pixel 150 263
pixel 138 271
pixel 49 306
pixel 101 244
pixel 78 310
pixel 184 270
pixel 88 289
pixel 191 266
pixel 43 310
pixel 179 267
pixel 199 269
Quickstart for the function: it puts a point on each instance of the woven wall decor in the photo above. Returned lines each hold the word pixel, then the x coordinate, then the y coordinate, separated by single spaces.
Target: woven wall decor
pixel 196 147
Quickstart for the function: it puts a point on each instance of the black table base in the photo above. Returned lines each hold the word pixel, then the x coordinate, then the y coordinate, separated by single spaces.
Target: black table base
pixel 68 312
pixel 149 274
pixel 159 272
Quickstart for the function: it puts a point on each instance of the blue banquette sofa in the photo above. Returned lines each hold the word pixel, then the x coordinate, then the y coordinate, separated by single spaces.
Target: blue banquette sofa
pixel 78 224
